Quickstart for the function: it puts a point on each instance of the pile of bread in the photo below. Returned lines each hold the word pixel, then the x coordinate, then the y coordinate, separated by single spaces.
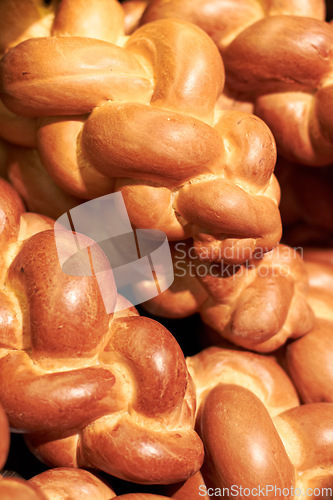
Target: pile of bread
pixel 188 108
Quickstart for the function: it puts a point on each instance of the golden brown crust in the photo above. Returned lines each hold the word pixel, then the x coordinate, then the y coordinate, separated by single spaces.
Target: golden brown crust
pixel 300 120
pixel 310 427
pixel 243 447
pixel 260 374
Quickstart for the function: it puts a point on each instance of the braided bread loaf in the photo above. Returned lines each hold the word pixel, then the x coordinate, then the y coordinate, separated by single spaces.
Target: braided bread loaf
pixel 285 456
pixel 258 305
pixel 314 350
pixel 152 131
pixel 279 61
pixel 89 388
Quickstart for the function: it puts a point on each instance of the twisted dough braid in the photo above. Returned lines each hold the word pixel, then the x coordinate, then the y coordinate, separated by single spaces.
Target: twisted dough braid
pixel 140 117
pixel 257 306
pixel 246 447
pixel 277 54
pixel 88 388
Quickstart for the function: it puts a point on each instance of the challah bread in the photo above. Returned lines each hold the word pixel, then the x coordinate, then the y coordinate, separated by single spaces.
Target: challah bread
pixel 314 350
pixel 183 166
pixel 89 388
pixel 257 306
pixel 287 74
pixel 57 484
pixel 248 449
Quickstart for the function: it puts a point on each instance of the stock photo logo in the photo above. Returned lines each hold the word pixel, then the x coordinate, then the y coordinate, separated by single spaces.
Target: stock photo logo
pixel 97 239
